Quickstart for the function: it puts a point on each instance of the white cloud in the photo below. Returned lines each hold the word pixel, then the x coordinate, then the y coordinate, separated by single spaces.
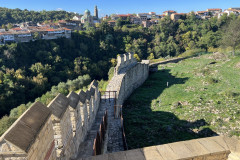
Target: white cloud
pixel 59 9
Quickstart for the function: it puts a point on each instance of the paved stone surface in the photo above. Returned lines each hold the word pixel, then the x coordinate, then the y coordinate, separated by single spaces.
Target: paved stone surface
pixel 86 147
pixel 115 142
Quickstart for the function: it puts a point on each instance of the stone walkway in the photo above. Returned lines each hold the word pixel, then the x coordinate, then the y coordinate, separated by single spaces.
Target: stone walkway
pixel 115 142
pixel 86 147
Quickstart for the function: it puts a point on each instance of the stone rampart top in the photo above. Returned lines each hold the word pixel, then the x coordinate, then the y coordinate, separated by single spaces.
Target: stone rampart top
pixel 88 95
pixel 73 99
pixel 92 91
pixel 59 105
pixel 94 83
pixel 82 96
pixel 23 132
pixel 215 148
pixel 124 61
pixel 146 61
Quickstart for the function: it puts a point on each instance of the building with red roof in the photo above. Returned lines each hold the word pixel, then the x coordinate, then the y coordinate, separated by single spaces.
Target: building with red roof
pixel 169 12
pixel 214 11
pixel 177 16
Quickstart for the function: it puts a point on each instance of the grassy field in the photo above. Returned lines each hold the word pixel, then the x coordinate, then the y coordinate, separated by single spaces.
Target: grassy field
pixel 197 97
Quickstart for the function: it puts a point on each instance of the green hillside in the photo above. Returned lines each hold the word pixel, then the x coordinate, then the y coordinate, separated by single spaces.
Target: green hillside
pixel 202 99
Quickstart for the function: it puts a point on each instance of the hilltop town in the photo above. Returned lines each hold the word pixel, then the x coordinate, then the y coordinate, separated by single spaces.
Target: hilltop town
pixel 29 31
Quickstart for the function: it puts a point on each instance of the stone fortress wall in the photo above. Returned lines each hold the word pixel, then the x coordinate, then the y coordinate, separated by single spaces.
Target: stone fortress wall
pixel 52 132
pixel 128 75
pixel 56 131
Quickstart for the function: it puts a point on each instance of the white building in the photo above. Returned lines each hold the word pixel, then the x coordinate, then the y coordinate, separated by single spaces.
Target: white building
pixel 232 11
pixel 214 11
pixel 77 18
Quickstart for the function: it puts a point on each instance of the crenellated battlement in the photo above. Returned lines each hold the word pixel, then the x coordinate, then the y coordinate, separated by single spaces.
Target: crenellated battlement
pixel 54 131
pixel 128 75
pixel 124 61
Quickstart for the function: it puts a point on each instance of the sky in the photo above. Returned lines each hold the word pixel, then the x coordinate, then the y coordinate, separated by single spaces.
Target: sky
pixel 120 6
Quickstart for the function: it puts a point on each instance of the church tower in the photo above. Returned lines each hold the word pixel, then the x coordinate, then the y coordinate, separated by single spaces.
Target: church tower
pixel 96 12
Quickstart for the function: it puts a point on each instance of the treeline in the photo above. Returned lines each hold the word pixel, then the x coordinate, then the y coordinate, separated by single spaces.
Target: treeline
pixel 171 38
pixel 17 16
pixel 27 70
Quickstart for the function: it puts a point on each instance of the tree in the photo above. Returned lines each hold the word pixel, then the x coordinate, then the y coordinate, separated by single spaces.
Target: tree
pixel 231 37
pixel 3 26
pixel 9 26
pixel 151 56
pixel 35 35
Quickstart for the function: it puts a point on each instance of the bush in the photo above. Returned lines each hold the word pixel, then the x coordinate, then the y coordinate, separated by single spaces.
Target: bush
pixel 111 73
pixel 191 53
pixel 211 49
pixel 102 85
pixel 151 56
pixel 211 80
pixel 157 60
pixel 231 94
pixel 5 123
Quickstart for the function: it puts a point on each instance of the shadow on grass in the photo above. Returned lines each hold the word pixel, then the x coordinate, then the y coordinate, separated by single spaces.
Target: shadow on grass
pixel 145 127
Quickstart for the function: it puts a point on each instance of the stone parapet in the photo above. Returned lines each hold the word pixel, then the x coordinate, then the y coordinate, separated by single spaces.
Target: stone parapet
pixel 212 148
pixel 53 132
pixel 129 75
pixel 124 61
pixel 30 137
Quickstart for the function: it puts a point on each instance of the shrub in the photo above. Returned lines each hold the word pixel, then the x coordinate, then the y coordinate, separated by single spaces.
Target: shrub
pixel 211 49
pixel 157 60
pixel 102 85
pixel 151 56
pixel 111 73
pixel 5 123
pixel 212 80
pixel 191 53
pixel 231 94
pixel 205 71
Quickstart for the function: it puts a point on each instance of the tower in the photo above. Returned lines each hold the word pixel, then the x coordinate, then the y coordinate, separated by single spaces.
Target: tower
pixel 96 12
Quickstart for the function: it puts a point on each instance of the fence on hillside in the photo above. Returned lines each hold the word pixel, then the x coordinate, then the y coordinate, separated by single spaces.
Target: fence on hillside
pixel 99 140
pixel 123 132
pixel 123 135
pixel 108 95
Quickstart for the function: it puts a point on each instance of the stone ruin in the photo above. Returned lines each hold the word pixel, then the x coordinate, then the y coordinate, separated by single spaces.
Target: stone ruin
pixel 54 131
